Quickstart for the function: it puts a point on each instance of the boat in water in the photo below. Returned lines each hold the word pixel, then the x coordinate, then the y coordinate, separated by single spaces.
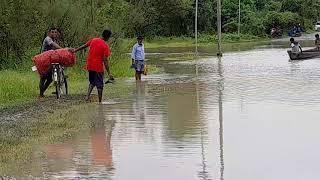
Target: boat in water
pixel 307 54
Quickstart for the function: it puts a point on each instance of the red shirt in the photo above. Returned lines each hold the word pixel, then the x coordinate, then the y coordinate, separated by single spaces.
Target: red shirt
pixel 98 50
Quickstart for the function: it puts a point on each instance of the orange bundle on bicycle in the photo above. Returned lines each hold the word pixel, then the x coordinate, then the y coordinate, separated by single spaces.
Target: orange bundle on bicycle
pixel 44 60
pixel 64 57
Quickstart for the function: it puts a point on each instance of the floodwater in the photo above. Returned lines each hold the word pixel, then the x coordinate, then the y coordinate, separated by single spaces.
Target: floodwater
pixel 251 115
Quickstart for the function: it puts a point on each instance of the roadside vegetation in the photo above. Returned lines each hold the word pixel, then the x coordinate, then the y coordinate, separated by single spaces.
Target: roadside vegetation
pixel 23 24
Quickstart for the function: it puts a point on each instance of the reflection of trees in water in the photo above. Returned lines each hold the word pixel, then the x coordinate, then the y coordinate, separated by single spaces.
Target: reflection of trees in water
pixel 183 117
pixel 184 111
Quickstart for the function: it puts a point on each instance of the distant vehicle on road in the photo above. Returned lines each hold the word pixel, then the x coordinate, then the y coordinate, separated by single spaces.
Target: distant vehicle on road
pixel 296 31
pixel 317 26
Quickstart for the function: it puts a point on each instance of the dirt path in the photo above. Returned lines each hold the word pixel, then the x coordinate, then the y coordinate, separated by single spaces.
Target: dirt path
pixel 38 109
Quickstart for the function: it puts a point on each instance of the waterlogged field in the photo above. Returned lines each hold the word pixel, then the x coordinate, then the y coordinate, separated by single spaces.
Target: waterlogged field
pixel 248 115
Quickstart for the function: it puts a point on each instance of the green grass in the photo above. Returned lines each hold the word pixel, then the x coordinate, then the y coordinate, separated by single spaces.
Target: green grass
pixel 184 57
pixel 203 40
pixel 17 87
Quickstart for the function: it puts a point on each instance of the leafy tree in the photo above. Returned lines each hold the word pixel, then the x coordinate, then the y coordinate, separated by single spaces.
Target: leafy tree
pixel 24 23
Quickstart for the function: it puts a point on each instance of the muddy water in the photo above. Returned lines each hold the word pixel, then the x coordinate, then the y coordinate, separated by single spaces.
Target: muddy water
pixel 250 115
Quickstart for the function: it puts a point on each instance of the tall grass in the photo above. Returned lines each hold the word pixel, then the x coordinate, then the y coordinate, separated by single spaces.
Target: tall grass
pixel 17 87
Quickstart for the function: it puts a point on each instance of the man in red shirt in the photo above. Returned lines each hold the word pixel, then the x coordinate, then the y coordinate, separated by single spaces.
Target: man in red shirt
pixel 97 62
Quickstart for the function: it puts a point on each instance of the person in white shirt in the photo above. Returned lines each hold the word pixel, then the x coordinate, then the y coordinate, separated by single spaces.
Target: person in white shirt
pixel 138 57
pixel 295 46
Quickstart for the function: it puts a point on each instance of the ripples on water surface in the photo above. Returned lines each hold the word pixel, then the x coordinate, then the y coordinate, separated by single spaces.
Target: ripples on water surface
pixel 251 116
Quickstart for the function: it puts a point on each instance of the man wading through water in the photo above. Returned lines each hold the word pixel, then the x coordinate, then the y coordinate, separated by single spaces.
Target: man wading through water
pixel 97 62
pixel 138 57
pixel 49 43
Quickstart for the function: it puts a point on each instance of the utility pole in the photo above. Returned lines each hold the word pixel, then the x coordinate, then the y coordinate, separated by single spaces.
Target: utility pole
pixel 239 22
pixel 196 27
pixel 219 27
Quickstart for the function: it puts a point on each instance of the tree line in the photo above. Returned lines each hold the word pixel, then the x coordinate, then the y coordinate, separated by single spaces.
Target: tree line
pixel 23 23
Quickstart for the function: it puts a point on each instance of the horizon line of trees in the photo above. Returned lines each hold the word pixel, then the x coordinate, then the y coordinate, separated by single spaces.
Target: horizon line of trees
pixel 24 23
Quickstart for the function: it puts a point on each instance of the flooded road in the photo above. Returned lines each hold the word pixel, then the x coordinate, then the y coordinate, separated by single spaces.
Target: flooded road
pixel 251 115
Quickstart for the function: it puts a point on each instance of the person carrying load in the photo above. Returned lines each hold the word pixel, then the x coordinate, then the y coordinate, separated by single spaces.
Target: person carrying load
pixel 51 52
pixel 48 44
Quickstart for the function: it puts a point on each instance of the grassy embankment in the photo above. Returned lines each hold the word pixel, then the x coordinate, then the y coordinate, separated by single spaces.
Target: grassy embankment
pixel 203 40
pixel 207 45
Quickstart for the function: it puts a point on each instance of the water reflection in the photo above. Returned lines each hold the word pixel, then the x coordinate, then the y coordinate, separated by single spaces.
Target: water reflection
pixel 56 157
pixel 139 105
pixel 100 134
pixel 203 173
pixel 220 89
pixel 164 127
pixel 88 155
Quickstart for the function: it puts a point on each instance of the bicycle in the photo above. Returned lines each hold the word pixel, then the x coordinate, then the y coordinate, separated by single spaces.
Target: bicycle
pixel 59 80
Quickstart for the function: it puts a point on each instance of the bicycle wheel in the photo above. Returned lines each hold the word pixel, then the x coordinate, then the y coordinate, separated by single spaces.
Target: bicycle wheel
pixel 58 90
pixel 66 86
pixel 58 83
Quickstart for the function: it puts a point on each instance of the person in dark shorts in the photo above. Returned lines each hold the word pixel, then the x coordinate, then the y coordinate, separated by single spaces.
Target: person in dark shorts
pixel 48 44
pixel 97 62
pixel 138 57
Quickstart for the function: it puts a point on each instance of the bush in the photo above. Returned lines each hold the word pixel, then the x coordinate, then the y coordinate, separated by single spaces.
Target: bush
pixel 283 20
